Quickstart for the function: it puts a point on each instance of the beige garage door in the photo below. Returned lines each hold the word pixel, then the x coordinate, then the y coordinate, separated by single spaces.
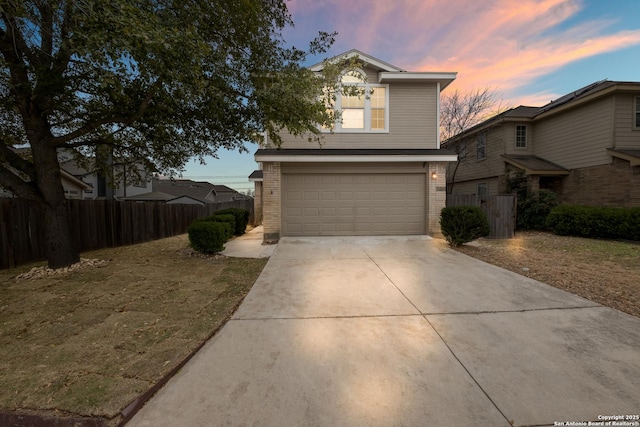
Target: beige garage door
pixel 341 204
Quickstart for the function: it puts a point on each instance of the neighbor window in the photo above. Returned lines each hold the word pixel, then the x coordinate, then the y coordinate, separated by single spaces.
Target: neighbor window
pixel 481 146
pixel 482 189
pixel 638 112
pixel 366 111
pixel 521 136
pixel 462 151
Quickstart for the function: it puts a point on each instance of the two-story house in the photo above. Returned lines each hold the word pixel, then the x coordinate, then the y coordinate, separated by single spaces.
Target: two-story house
pixel 380 172
pixel 585 146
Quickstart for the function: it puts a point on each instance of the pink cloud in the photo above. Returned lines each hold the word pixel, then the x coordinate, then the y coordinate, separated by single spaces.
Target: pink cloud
pixel 505 44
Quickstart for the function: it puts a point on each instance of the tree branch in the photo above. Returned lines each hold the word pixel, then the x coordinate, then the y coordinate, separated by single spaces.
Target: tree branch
pixel 20 84
pixel 111 119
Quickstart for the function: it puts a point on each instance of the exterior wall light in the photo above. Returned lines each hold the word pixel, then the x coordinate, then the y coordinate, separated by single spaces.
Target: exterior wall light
pixel 434 175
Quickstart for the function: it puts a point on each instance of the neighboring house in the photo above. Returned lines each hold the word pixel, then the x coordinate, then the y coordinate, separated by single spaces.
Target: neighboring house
pixel 585 146
pixel 226 194
pixel 169 199
pixel 188 191
pixel 99 185
pixel 73 187
pixel 201 191
pixel 380 172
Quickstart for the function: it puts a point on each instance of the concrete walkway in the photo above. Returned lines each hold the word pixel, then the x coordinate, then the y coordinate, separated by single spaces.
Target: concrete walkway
pixel 405 332
pixel 249 245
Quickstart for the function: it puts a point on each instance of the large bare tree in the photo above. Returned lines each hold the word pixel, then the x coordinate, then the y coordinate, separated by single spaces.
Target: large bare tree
pixel 460 111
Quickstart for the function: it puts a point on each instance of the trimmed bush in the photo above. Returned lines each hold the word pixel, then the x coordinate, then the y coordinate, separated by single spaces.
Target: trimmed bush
pixel 230 220
pixel 241 216
pixel 208 236
pixel 462 224
pixel 595 222
pixel 534 210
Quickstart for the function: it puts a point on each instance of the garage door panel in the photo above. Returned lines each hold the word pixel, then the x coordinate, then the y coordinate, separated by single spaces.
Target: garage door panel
pixel 353 204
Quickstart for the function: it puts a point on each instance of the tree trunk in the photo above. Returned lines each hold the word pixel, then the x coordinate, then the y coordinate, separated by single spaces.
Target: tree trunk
pixel 61 247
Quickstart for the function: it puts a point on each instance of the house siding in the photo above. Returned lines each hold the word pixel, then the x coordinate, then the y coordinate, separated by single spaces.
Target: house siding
pixel 577 138
pixel 625 133
pixel 413 114
pixel 492 165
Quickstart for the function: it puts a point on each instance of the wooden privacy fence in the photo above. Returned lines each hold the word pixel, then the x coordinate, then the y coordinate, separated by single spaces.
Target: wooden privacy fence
pixel 500 211
pixel 96 224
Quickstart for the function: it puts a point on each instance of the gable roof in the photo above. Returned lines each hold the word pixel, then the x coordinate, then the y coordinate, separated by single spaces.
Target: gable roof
pixel 370 60
pixel 223 189
pixel 388 73
pixel 198 190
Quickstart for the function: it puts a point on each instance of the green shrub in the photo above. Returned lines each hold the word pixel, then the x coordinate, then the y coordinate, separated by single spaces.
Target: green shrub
pixel 208 236
pixel 228 219
pixel 595 222
pixel 462 224
pixel 534 210
pixel 241 216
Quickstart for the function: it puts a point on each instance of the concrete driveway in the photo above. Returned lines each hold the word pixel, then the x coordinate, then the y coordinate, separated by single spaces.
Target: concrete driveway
pixel 404 332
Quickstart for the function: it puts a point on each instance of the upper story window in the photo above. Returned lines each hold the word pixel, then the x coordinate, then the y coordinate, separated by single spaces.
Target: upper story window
pixel 462 151
pixel 482 189
pixel 481 146
pixel 364 111
pixel 521 136
pixel 637 112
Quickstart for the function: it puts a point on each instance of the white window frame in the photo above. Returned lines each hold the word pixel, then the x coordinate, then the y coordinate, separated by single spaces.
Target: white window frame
pixel 482 136
pixel 526 132
pixel 367 108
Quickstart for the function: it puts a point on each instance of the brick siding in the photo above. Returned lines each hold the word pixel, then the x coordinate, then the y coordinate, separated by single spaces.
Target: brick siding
pixel 436 197
pixel 615 184
pixel 272 205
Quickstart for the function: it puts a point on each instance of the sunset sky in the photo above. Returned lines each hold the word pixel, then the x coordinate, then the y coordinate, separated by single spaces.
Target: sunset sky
pixel 530 51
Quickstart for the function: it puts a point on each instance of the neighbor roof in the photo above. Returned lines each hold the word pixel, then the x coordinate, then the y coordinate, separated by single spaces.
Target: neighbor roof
pixel 198 190
pixel 633 156
pixel 534 165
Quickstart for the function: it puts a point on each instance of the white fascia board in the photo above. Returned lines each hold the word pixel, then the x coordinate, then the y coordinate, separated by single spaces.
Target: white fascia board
pixel 356 158
pixel 422 76
pixel 256 179
pixel 366 58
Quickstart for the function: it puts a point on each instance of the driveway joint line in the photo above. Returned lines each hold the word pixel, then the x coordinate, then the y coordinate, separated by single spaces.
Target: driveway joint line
pixel 443 341
pixel 467 371
pixel 526 310
pixel 362 316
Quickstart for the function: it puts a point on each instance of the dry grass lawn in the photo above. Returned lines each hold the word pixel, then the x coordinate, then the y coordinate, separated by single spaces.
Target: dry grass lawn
pixel 88 343
pixel 603 271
